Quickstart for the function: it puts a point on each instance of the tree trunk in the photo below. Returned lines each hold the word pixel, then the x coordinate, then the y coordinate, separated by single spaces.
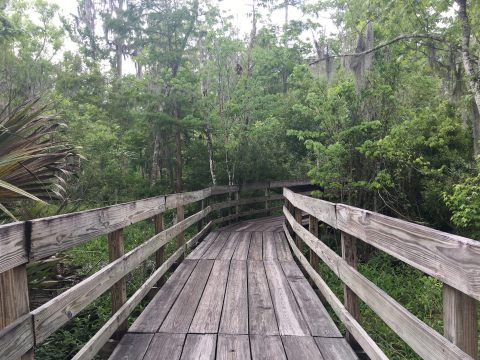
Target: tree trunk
pixel 155 161
pixel 210 154
pixel 469 65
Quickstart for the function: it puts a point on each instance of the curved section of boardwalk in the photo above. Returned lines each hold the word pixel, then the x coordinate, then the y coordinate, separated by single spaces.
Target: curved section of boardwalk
pixel 238 295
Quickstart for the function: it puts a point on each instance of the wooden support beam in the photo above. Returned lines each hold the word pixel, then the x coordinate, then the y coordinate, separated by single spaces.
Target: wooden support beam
pixel 116 250
pixel 313 228
pixel 159 222
pixel 298 218
pixel 181 237
pixel 350 299
pixel 460 320
pixel 14 302
pixel 201 223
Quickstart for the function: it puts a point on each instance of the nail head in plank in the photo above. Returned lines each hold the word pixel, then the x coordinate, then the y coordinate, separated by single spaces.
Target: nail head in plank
pixel 233 347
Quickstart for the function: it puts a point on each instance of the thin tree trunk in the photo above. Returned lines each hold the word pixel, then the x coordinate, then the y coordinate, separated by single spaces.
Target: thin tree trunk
pixel 469 65
pixel 210 154
pixel 178 160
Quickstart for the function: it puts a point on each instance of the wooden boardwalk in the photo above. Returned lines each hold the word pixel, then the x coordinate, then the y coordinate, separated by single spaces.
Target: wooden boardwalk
pixel 238 295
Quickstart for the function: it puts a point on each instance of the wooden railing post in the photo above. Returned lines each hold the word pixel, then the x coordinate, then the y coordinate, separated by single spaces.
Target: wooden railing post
pixel 201 223
pixel 159 222
pixel 350 299
pixel 118 291
pixel 460 320
pixel 181 237
pixel 298 219
pixel 14 298
pixel 267 202
pixel 313 228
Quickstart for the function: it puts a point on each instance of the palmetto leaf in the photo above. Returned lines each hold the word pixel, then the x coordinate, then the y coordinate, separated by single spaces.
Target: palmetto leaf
pixel 33 156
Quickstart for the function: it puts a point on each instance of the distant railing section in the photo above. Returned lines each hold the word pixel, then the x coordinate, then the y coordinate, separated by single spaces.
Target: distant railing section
pixel 453 260
pixel 20 243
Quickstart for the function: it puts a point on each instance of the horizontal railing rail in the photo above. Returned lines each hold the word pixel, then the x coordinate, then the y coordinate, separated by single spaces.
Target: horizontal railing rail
pixel 22 242
pixel 452 259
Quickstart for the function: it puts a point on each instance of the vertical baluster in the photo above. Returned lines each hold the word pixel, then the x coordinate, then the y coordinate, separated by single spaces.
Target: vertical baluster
pixel 298 219
pixel 180 239
pixel 159 222
pixel 460 319
pixel 350 299
pixel 118 291
pixel 313 228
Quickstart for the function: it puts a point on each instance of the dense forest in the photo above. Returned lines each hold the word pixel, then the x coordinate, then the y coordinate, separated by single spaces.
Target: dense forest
pixel 375 101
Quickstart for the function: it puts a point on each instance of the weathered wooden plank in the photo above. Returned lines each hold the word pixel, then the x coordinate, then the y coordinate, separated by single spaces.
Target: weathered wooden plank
pixel 246 201
pixel 283 251
pixel 13 246
pixel 218 190
pixel 230 245
pixel 118 292
pixel 420 337
pixel 260 311
pixel 14 305
pixel 159 223
pixel 313 228
pixel 53 314
pixel 93 346
pixel 132 347
pixel 289 183
pixel 352 325
pixel 165 346
pixel 199 347
pixel 164 299
pixel 350 299
pixel 460 320
pixel 198 252
pixel 57 233
pixel 217 246
pixel 17 338
pixel 321 209
pixel 233 347
pixel 209 310
pixel 246 213
pixel 314 313
pixel 173 201
pixel 289 317
pixel 256 247
pixel 301 348
pixel 267 348
pixel 181 314
pixel 235 308
pixel 241 252
pixel 269 247
pixel 335 349
pixel 452 259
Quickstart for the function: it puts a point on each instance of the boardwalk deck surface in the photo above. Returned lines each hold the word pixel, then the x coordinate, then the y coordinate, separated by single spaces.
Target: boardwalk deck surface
pixel 238 295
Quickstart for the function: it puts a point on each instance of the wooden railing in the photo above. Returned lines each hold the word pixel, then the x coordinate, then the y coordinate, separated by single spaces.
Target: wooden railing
pixel 453 260
pixel 20 243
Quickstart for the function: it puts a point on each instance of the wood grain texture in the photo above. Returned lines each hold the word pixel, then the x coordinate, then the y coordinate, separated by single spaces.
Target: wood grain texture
pixel 17 339
pixel 209 310
pixel 256 247
pixel 283 251
pixel 267 347
pixel 218 190
pixel 335 349
pixel 460 320
pixel 289 183
pixel 173 201
pixel 118 292
pixel 58 233
pixel 235 308
pixel 452 259
pixel 217 246
pixel 352 325
pixel 420 337
pixel 94 345
pixel 233 347
pixel 289 318
pixel 199 347
pixel 261 313
pixel 198 252
pixel 246 201
pixel 132 347
pixel 312 309
pixel 165 346
pixel 230 245
pixel 164 299
pixel 58 311
pixel 320 209
pixel 159 223
pixel 181 314
pixel 241 252
pixel 313 228
pixel 269 247
pixel 13 246
pixel 301 348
